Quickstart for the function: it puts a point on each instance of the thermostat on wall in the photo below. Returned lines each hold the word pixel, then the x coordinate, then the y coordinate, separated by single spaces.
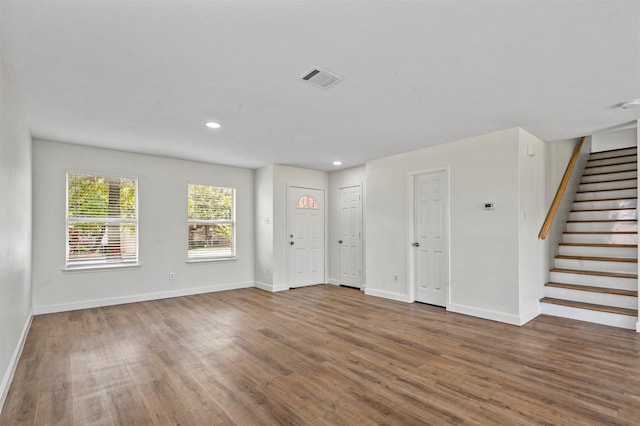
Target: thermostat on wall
pixel 489 206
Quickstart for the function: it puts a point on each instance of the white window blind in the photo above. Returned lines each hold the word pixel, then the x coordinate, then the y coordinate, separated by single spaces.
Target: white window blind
pixel 102 221
pixel 211 222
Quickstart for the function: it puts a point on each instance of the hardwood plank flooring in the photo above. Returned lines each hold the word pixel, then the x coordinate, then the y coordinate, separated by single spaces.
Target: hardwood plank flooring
pixel 321 355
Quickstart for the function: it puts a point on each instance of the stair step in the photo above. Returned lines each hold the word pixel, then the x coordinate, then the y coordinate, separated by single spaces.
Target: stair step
pixel 614 164
pixel 602 225
pixel 589 288
pixel 590 200
pixel 601 232
pixel 609 177
pixel 596 273
pixel 621 159
pixel 600 245
pixel 604 184
pixel 591 306
pixel 607 194
pixel 610 250
pixel 606 204
pixel 581 313
pixel 597 258
pixel 604 214
pixel 614 168
pixel 603 220
pixel 606 210
pixel 626 281
pixel 596 263
pixel 613 153
pixel 618 298
pixel 600 237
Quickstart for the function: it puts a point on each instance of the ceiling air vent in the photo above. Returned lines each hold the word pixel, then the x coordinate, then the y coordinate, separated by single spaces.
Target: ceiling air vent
pixel 321 78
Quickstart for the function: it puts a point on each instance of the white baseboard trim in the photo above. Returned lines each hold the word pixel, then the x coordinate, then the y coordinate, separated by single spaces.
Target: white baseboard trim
pixel 109 301
pixel 263 286
pixel 485 313
pixel 280 287
pixel 13 364
pixel 530 315
pixel 333 281
pixel 638 327
pixel 270 287
pixel 387 295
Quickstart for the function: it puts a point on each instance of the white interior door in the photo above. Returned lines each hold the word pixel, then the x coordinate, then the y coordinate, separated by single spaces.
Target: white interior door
pixel 350 236
pixel 306 236
pixel 431 240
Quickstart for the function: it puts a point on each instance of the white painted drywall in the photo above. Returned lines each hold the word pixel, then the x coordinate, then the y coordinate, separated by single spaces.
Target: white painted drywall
pixel 162 188
pixel 532 196
pixel 283 177
pixel 606 141
pixel 638 167
pixel 558 154
pixel 340 179
pixel 263 184
pixel 15 230
pixel 485 244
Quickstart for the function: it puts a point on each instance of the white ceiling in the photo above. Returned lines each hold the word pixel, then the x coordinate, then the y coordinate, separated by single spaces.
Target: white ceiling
pixel 144 76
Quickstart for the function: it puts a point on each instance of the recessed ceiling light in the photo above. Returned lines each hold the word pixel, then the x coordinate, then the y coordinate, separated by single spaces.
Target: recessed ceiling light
pixel 213 125
pixel 337 163
pixel 634 103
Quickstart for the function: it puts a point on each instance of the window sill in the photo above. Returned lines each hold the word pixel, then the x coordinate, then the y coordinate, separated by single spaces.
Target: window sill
pixel 101 268
pixel 212 259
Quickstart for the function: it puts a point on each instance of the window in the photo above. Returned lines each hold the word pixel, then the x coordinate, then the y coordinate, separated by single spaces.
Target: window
pixel 212 220
pixel 102 221
pixel 306 202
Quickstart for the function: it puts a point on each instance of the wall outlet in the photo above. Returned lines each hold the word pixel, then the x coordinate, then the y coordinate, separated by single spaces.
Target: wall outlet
pixel 172 276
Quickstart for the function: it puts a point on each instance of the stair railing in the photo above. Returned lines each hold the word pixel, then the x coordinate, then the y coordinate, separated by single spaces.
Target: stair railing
pixel 546 226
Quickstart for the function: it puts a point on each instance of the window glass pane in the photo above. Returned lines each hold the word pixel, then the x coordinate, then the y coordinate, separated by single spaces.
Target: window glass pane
pixel 306 203
pixel 101 220
pixel 100 196
pixel 211 232
pixel 97 242
pixel 210 240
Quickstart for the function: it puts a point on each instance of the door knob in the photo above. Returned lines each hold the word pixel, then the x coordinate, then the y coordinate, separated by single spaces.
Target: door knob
pixel 416 244
pixel 339 241
pixel 291 243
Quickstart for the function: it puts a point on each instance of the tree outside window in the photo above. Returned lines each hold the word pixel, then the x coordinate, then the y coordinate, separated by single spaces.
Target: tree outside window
pixel 102 220
pixel 211 223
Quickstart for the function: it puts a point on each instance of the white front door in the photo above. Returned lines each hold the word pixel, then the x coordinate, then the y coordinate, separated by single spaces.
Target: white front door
pixel 350 236
pixel 431 240
pixel 306 236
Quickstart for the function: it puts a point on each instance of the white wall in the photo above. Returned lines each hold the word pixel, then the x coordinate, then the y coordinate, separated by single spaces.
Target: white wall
pixel 532 196
pixel 606 141
pixel 484 244
pixel 263 184
pixel 283 177
pixel 162 190
pixel 340 179
pixel 15 230
pixel 558 154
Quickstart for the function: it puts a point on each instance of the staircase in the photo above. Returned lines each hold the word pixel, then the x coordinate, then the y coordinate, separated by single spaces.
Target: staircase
pixel 595 275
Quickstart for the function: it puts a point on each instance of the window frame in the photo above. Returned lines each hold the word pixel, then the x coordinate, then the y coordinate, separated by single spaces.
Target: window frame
pixel 233 222
pixel 105 264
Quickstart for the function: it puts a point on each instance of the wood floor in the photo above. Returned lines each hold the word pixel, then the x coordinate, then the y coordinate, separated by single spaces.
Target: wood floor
pixel 318 355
